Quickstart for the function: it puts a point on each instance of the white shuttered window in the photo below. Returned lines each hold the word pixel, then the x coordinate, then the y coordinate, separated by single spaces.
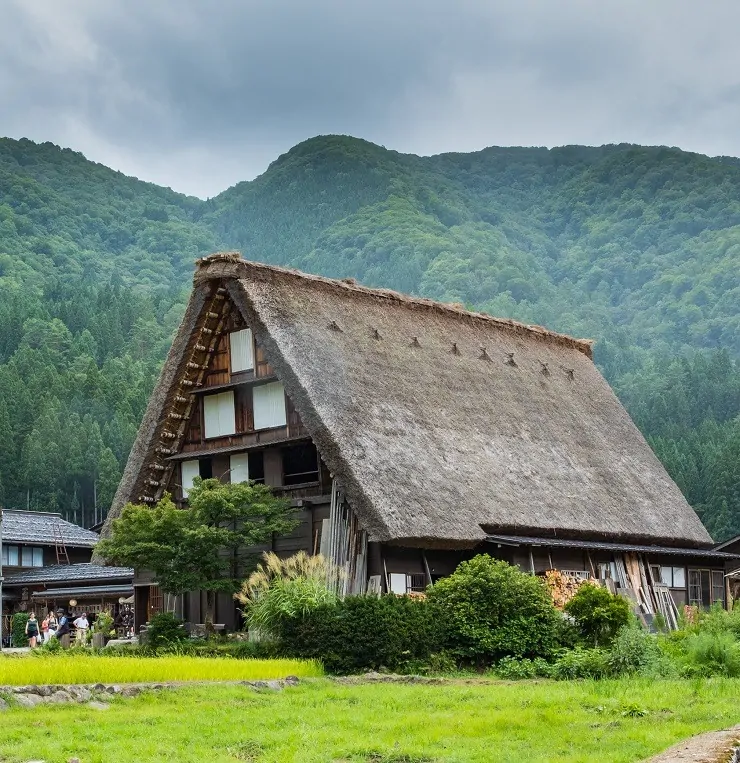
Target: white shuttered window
pixel 240 345
pixel 189 470
pixel 239 467
pixel 219 414
pixel 269 406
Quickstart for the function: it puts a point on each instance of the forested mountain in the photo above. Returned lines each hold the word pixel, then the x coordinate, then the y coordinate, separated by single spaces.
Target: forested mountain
pixel 636 247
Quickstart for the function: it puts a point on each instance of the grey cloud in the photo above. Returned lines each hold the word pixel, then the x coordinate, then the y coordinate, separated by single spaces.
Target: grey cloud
pixel 199 96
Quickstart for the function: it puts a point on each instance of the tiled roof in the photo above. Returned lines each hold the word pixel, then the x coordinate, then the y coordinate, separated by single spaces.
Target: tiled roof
pixel 39 527
pixel 100 590
pixel 68 573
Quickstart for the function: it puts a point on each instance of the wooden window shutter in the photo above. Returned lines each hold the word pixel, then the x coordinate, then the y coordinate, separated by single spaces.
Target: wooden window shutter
pixel 219 414
pixel 269 406
pixel 242 357
pixel 239 464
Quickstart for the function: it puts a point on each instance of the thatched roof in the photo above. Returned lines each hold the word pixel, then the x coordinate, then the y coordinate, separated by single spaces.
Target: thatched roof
pixel 443 425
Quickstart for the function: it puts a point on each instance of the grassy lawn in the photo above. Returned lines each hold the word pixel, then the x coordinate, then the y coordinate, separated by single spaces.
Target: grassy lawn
pixel 323 722
pixel 91 669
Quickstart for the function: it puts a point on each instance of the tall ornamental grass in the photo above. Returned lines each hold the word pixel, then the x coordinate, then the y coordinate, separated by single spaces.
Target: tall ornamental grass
pixel 84 669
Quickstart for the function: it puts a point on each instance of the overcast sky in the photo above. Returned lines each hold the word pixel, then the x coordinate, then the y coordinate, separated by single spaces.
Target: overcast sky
pixel 198 95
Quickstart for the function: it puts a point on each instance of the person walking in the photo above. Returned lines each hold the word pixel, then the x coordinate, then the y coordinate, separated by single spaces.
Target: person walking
pixel 32 630
pixel 81 625
pixel 52 625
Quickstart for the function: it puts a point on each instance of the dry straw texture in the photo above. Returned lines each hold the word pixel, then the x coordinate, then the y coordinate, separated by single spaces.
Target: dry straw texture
pixel 441 424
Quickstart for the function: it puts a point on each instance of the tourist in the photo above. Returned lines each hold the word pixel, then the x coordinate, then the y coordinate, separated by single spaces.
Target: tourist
pixel 52 625
pixel 81 625
pixel 63 628
pixel 32 630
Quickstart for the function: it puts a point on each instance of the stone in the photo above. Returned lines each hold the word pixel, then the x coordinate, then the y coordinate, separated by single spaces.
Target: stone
pixel 292 680
pixel 130 691
pixel 28 700
pixel 21 689
pixel 80 693
pixel 44 691
pixel 73 760
pixel 60 697
pixel 99 687
pixel 259 684
pixel 98 705
pixel 275 685
pixel 3 705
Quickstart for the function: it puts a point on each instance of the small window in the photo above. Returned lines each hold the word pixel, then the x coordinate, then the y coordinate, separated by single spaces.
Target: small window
pixel 38 557
pixel 256 465
pixel 300 464
pixel 397 582
pixel 239 468
pixel 26 556
pixel 242 356
pixel 269 406
pixel 219 414
pixel 13 560
pixel 679 577
pixel 718 587
pixel 189 470
pixel 694 587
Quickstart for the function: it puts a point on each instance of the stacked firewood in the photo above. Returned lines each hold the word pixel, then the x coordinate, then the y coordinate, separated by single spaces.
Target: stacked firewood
pixel 562 588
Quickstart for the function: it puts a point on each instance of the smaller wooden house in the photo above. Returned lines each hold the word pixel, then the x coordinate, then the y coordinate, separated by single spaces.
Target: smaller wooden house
pixel 410 435
pixel 46 564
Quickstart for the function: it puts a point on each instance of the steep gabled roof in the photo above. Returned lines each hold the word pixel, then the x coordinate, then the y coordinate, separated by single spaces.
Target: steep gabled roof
pixel 39 527
pixel 441 425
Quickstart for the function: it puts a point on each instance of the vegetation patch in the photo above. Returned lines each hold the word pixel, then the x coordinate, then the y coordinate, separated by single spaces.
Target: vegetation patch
pixel 92 669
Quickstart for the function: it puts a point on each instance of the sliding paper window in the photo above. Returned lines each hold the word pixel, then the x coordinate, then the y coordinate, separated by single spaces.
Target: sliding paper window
pixel 219 414
pixel 242 356
pixel 269 406
pixel 239 467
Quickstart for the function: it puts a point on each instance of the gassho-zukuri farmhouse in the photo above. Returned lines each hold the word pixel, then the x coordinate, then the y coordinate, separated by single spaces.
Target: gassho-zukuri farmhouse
pixel 410 435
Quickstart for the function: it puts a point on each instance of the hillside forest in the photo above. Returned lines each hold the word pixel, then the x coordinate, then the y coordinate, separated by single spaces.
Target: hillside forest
pixel 636 247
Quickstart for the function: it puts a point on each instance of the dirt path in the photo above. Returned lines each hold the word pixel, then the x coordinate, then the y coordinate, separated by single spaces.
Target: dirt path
pixel 712 747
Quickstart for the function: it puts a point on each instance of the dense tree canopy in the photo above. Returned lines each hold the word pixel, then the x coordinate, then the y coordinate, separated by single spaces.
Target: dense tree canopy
pixel 636 247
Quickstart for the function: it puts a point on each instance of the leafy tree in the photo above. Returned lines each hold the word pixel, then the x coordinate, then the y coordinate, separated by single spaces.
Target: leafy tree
pixel 202 548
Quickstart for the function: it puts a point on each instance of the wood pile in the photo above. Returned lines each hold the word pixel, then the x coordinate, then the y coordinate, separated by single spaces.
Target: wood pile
pixel 562 588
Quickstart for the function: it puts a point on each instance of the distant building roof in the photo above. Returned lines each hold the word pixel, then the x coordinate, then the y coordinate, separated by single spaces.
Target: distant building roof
pixel 39 527
pixel 69 573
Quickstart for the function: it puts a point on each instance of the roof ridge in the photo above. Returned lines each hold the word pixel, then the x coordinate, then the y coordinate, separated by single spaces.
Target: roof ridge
pixel 226 263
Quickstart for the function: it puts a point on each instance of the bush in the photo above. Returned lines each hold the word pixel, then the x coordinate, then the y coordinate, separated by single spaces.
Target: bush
pixel 635 651
pixel 363 633
pixel 490 610
pixel 598 614
pixel 164 629
pixel 582 663
pixel 712 654
pixel 512 669
pixel 281 589
pixel 18 629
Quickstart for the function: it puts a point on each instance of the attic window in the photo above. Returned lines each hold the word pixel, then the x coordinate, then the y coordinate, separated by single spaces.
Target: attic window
pixel 219 414
pixel 242 355
pixel 269 406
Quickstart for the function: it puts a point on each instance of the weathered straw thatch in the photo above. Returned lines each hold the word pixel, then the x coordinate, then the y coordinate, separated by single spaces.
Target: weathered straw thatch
pixel 441 424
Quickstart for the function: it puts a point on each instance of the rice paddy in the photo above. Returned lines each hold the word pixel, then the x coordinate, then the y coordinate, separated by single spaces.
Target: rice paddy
pixel 92 669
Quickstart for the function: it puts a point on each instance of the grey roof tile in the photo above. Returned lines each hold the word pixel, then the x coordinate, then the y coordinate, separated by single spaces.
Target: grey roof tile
pixel 39 527
pixel 67 573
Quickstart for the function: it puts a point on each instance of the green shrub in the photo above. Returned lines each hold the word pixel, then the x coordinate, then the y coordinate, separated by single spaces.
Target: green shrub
pixel 633 650
pixel 164 629
pixel 582 663
pixel 18 629
pixel 712 654
pixel 490 610
pixel 512 669
pixel 598 614
pixel 363 633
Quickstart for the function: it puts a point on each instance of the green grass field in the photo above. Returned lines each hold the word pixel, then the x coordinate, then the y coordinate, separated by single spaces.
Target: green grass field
pixel 92 669
pixel 324 722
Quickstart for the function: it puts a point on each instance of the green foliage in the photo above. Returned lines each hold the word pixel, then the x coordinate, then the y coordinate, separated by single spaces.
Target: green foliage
pixel 18 629
pixel 164 629
pixel 489 610
pixel 636 247
pixel 582 663
pixel 515 670
pixel 712 654
pixel 598 614
pixel 281 589
pixel 634 651
pixel 104 623
pixel 205 548
pixel 363 633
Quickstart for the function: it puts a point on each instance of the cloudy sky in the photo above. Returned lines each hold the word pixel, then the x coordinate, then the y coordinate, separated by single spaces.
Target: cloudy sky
pixel 198 95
